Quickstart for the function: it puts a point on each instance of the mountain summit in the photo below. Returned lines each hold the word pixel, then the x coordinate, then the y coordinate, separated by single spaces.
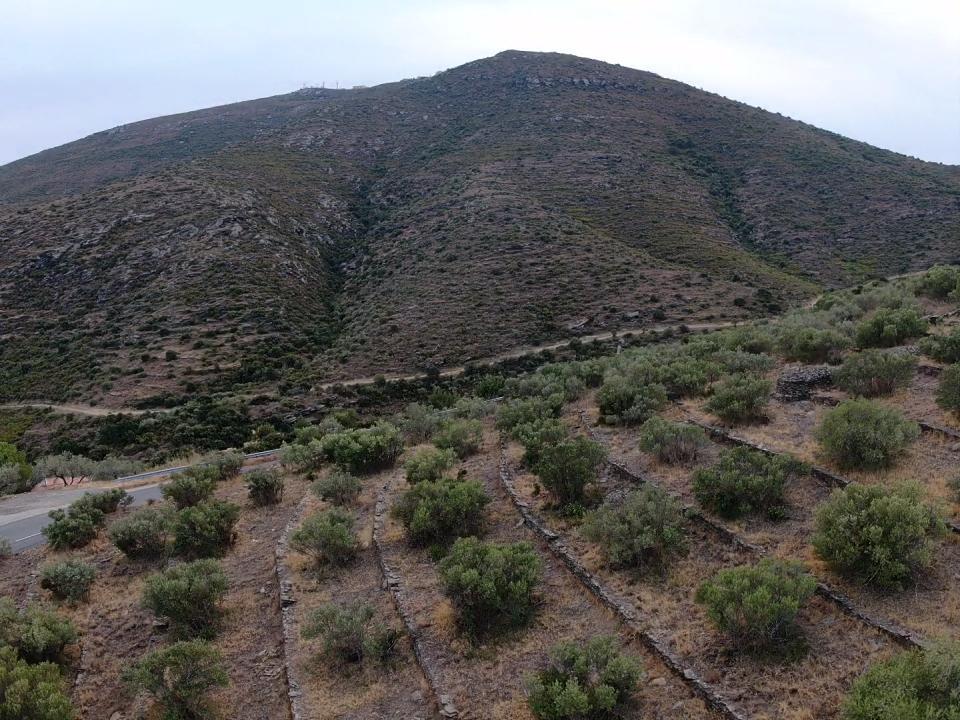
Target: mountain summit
pixel 330 233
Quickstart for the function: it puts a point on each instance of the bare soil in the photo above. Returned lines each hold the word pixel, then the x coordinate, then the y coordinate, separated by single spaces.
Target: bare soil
pixel 487 681
pixel 839 648
pixel 396 691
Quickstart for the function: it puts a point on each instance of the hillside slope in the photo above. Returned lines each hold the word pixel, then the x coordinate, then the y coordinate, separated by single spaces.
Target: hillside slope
pixel 325 234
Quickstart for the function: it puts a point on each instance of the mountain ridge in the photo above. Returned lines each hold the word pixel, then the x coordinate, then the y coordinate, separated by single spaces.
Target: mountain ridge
pixel 282 242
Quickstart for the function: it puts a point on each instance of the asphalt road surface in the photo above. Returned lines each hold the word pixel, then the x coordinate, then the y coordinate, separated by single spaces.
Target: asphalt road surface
pixel 23 517
pixel 23 526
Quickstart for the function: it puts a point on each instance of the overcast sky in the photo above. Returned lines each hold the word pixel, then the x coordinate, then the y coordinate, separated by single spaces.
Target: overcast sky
pixel 883 71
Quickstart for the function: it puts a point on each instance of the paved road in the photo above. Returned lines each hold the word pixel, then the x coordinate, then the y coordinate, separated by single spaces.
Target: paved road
pixel 23 527
pixel 23 517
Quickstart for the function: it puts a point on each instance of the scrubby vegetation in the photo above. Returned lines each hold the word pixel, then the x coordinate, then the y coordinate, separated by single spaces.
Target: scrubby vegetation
pixel 179 677
pixel 756 606
pixel 437 511
pixel 566 467
pixel 809 344
pixel 190 487
pixel 265 487
pixel 745 481
pixel 35 632
pixel 643 530
pixel 429 464
pixel 338 487
pixel 948 390
pixel 189 596
pixel 587 681
pixel 351 634
pixel 915 685
pixel 464 437
pixel 141 536
pixel 68 580
pixel 491 586
pixel 872 373
pixel 626 402
pixel 890 326
pixel 328 537
pixel 740 398
pixel 865 435
pixel 31 691
pixel 945 348
pixel 882 536
pixel 364 450
pixel 672 442
pixel 205 530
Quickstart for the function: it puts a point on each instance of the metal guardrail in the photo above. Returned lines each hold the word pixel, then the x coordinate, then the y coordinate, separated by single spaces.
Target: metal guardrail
pixel 179 468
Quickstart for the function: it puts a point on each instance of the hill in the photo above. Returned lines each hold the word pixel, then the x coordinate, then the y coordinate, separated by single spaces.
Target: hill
pixel 283 242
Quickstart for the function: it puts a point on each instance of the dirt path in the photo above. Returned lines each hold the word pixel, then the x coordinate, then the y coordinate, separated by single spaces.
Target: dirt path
pixel 77 409
pixel 456 370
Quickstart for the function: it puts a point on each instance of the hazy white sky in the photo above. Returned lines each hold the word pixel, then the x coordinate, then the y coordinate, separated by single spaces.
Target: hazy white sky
pixel 883 71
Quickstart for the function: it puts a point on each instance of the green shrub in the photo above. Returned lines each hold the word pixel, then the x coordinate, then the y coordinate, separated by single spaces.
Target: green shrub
pixel 948 389
pixel 757 605
pixel 73 527
pixel 687 376
pixel 350 634
pixel 644 530
pixel 328 537
pixel 190 487
pixel 744 481
pixel 938 282
pixel 592 681
pixel 37 634
pixel 429 464
pixel 624 402
pixel 881 536
pixel 811 344
pixel 535 436
pixel 6 548
pixel 738 361
pixel 945 348
pixel 889 327
pixel 142 536
pixel 464 437
pixel 489 385
pixel 865 435
pixel 523 411
pixel 205 530
pixel 740 398
pixel 566 467
pixel 68 580
pixel 16 479
pixel 225 464
pixel 438 511
pixel 872 372
pixel 31 691
pixel 672 442
pixel 106 502
pixel 473 408
pixel 339 487
pixel 113 467
pixel 491 586
pixel 265 487
pixel 179 677
pixel 915 685
pixel 364 450
pixel 953 485
pixel 189 596
pixel 419 422
pixel 302 458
